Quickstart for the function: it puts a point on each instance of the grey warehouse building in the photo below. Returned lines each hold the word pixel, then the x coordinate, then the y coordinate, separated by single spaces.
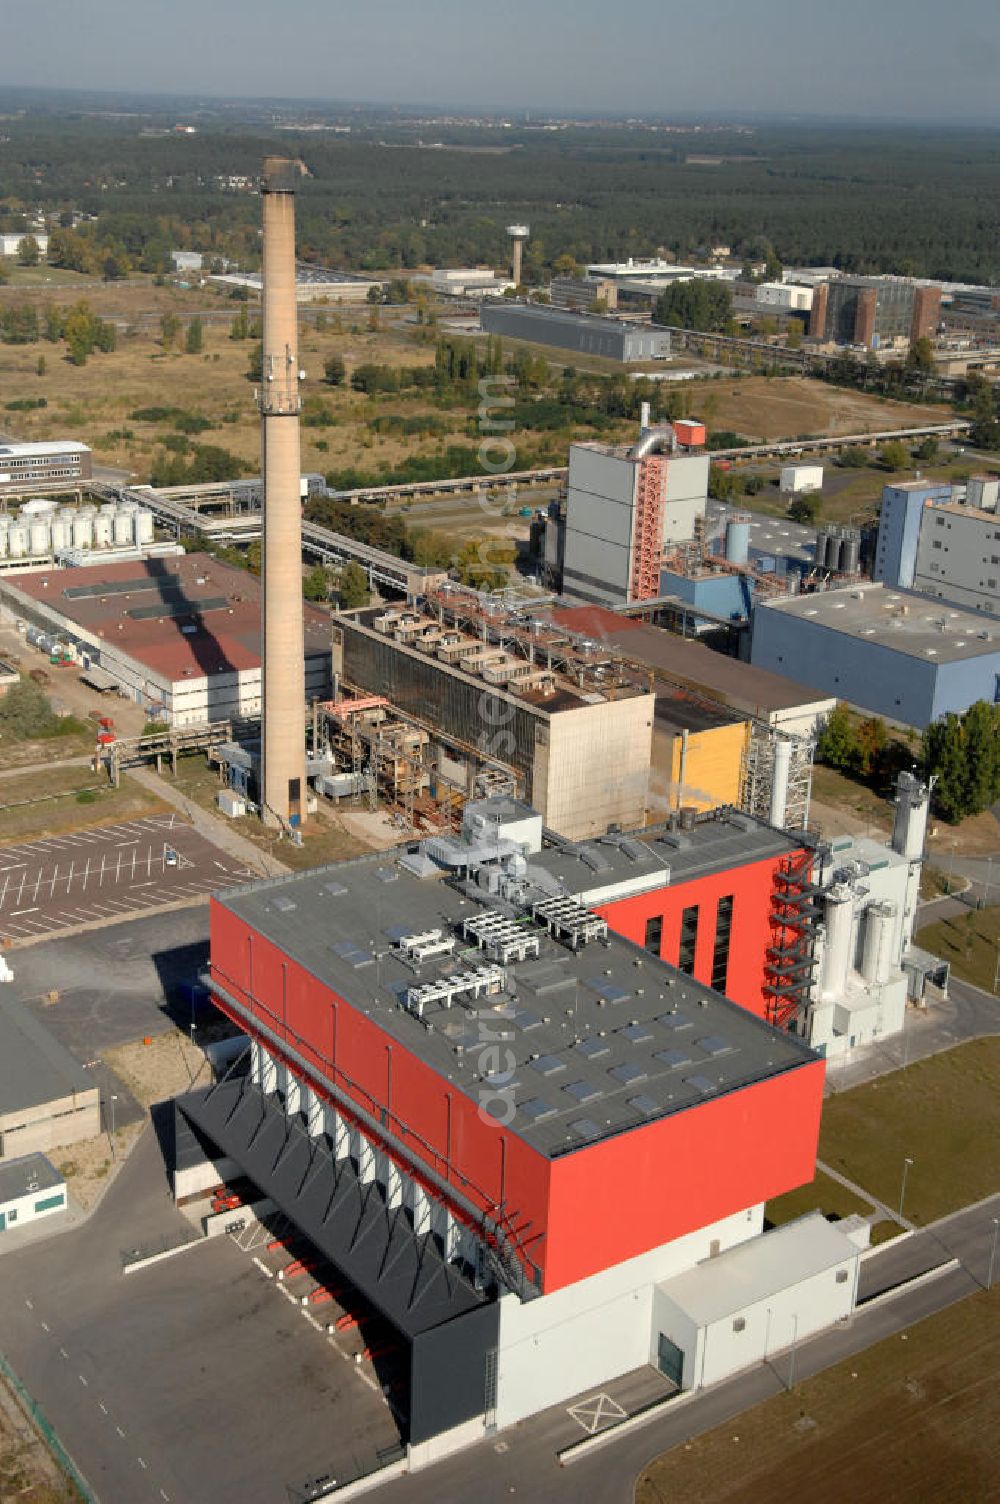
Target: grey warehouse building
pixel 47 1100
pixel 890 651
pixel 583 333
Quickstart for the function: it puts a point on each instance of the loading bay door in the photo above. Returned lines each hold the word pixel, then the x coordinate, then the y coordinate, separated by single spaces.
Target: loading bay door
pixel 670 1360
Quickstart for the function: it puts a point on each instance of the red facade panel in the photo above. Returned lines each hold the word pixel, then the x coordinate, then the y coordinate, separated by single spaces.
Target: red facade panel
pixel 622 1196
pixel 750 887
pixel 576 1214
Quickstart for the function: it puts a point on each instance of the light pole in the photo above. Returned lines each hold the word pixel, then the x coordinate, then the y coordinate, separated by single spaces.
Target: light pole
pixel 993 1253
pixel 112 1099
pixel 989 879
pixel 791 1360
pixel 902 1190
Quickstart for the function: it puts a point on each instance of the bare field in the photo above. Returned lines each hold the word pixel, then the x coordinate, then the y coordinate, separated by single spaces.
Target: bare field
pixel 783 407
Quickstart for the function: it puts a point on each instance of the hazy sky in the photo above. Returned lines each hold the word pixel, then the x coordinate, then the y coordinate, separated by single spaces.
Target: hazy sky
pixel 918 59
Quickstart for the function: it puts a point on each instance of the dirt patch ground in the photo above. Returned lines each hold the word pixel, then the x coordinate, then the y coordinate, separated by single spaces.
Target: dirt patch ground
pixel 28 1472
pixel 913 1419
pixel 59 800
pixel 787 407
pixel 165 1067
pixel 87 1165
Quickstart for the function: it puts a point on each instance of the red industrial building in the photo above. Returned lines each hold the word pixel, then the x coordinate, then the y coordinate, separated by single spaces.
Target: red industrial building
pixel 494 1080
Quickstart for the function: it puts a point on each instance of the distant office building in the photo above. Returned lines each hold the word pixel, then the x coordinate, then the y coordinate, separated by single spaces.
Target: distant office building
pixel 187 261
pixel 892 652
pixel 10 242
pixel 930 541
pixel 468 282
pixel 873 311
pixel 29 467
pixel 579 294
pixel 581 333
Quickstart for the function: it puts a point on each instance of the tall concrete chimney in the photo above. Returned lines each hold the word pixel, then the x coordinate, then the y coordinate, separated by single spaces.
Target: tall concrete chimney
pixel 283 708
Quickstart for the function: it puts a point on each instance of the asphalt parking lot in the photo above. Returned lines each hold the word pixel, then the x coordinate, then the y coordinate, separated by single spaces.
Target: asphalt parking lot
pixel 106 872
pixel 193 1381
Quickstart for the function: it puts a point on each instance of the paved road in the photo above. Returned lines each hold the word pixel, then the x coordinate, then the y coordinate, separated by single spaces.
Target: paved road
pixel 68 880
pixel 117 983
pixel 522 1462
pixel 190 1382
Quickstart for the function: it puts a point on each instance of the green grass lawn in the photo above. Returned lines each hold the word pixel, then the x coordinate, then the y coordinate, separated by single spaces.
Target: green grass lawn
pixel 969 942
pixel 66 799
pixel 942 1112
pixel 821 1194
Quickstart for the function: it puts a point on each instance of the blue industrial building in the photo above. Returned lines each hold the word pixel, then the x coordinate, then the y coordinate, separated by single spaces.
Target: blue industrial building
pixel 899 529
pixel 718 595
pixel 896 653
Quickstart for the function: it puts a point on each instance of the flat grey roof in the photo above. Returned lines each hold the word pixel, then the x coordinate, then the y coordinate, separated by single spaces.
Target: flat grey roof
pixel 755 1270
pixel 33 1172
pixel 726 840
pixel 594 1033
pixel 768 535
pixel 898 619
pixel 34 1067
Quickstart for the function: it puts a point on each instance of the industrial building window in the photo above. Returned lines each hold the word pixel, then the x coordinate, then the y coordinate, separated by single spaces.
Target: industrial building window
pixel 720 956
pixel 740 1324
pixel 689 939
pixel 654 934
pixel 49 1203
pixel 841 1276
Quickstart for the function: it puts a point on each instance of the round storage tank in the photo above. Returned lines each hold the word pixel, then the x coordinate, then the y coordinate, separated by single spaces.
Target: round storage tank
pixel 4 533
pixel 144 525
pixel 123 527
pixel 851 554
pixel 39 533
pixel 83 530
pixel 109 508
pixel 738 540
pixel 103 528
pixel 62 533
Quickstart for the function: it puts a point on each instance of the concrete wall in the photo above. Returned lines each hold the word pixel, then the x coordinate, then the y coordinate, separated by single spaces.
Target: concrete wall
pixel 581 1336
pixel 50 1125
pixel 718 1349
pixel 685 495
pixel 591 767
pixel 863 670
pixel 600 514
pixel 958 558
pixel 22 1209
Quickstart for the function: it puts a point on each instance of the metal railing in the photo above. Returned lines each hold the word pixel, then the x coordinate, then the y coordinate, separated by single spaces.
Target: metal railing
pixel 36 1415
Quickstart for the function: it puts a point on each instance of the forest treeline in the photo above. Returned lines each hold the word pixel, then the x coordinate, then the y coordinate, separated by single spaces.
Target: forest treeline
pixel 877 200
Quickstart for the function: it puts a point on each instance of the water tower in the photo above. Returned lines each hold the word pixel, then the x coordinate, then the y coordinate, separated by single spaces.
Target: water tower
pixel 518 234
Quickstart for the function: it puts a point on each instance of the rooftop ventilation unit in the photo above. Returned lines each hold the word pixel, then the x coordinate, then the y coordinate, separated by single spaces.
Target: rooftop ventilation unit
pixel 565 919
pixel 482 981
pixel 423 947
pixel 502 939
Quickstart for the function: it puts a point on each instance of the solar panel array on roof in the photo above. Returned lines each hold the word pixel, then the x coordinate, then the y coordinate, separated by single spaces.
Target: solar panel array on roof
pixel 166 584
pixel 181 607
pixel 673 1058
pixel 353 954
pixel 713 1044
pixel 583 1091
pixel 610 991
pixel 548 1065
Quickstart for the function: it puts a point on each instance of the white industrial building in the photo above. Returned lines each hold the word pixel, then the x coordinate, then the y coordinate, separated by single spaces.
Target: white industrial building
pixel 10 241
pixel 867 966
pixel 624 512
pixel 787 297
pixel 469 282
pixel 756 1299
pixel 30 1188
pixel 799 479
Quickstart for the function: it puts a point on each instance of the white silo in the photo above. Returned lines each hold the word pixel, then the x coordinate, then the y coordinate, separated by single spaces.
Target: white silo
pixel 4 532
pixel 122 527
pixel 83 529
pixel 62 533
pixel 103 529
pixel 144 532
pixel 109 508
pixel 838 915
pixel 779 782
pixel 910 825
pixel 17 541
pixel 39 533
pixel 877 955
